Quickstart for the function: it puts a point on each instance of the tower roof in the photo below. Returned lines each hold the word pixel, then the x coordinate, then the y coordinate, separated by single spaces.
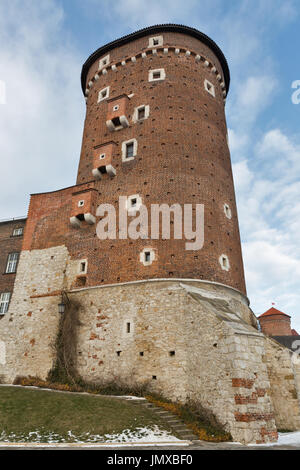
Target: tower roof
pixel 273 311
pixel 175 28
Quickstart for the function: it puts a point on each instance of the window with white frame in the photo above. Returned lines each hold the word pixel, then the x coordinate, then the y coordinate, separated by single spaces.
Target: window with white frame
pixel 12 262
pixel 224 262
pixel 134 203
pixel 104 62
pixel 4 302
pixel 80 203
pixel 227 211
pixel 18 232
pixel 156 41
pixel 147 256
pixel 209 87
pixel 129 150
pixel 103 94
pixel 82 267
pixel 140 113
pixel 156 75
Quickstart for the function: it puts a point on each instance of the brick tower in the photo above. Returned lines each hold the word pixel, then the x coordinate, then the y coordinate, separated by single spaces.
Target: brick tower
pixel 273 322
pixel 150 311
pixel 155 130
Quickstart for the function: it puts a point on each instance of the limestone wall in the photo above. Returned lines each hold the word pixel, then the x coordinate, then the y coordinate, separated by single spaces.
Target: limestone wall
pixel 284 374
pixel 185 339
pixel 29 328
pixel 226 372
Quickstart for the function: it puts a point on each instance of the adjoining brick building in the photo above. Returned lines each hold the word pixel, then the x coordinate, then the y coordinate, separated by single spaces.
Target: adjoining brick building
pixel 151 311
pixel 11 237
pixel 277 324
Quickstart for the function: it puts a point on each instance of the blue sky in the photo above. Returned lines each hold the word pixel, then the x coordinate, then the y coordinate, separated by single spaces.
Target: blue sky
pixel 43 46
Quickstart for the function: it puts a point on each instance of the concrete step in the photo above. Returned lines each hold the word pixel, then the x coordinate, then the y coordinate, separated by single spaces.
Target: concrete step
pixel 189 437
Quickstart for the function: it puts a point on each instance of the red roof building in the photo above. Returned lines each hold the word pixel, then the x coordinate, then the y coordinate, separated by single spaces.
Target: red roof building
pixel 275 323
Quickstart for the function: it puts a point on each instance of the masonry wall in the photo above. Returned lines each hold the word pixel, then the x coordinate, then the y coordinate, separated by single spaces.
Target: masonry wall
pixel 29 328
pixel 9 244
pixel 283 370
pixel 175 345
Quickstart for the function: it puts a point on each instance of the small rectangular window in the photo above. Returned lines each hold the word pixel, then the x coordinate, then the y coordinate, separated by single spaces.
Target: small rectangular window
pixel 4 302
pixel 141 113
pixel 129 150
pixel 156 41
pixel 156 75
pixel 18 232
pixel 103 94
pixel 128 327
pixel 82 267
pixel 147 256
pixel 12 262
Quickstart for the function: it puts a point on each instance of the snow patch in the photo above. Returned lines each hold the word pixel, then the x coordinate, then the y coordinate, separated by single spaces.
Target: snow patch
pixel 141 434
pixel 284 439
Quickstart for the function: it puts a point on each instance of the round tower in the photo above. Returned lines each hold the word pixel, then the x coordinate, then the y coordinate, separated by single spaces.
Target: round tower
pixel 275 323
pixel 155 131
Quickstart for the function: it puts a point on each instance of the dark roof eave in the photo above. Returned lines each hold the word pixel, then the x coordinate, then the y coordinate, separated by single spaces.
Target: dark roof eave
pixel 157 29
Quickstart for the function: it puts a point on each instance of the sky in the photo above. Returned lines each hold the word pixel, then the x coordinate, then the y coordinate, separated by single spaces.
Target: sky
pixel 43 44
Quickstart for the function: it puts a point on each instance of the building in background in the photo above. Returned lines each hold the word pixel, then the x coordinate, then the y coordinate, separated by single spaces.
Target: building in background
pixel 11 237
pixel 277 324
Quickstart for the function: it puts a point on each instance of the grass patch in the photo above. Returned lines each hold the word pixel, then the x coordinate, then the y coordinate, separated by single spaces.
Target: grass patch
pixel 202 422
pixel 23 412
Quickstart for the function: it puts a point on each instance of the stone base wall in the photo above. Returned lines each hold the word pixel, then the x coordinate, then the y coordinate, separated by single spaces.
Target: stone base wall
pixel 284 374
pixel 188 340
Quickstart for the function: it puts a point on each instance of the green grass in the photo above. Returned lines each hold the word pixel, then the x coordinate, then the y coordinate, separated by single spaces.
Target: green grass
pixel 23 411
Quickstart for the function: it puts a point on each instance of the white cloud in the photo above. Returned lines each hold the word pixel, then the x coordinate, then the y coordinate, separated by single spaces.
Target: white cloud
pixel 237 142
pixel 269 216
pixel 276 144
pixel 251 98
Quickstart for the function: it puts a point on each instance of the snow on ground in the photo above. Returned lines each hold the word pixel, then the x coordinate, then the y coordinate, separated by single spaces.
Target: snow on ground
pixel 284 439
pixel 146 434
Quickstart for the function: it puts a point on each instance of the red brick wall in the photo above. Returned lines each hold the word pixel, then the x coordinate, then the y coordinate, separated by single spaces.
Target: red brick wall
pixel 276 325
pixel 182 157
